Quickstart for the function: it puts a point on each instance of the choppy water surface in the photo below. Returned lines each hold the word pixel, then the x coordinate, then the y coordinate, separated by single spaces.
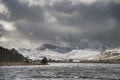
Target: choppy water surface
pixel 62 71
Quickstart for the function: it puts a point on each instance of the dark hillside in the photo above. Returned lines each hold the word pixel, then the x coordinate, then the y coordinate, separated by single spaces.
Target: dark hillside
pixel 10 55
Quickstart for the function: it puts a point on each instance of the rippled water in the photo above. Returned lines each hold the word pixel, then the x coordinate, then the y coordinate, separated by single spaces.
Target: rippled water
pixel 62 71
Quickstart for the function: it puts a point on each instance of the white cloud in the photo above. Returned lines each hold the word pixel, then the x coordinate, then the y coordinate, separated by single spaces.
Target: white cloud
pixel 8 26
pixel 4 10
pixel 87 1
pixel 34 2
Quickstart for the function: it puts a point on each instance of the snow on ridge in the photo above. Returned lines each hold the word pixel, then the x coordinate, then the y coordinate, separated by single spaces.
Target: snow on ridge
pixel 74 54
pixel 85 54
pixel 81 54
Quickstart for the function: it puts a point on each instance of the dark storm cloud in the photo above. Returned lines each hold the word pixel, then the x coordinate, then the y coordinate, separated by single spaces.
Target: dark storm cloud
pixel 98 21
pixel 72 23
pixel 23 11
pixel 82 14
pixel 38 31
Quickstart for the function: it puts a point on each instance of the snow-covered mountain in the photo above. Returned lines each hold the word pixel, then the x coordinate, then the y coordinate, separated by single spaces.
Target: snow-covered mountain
pixel 112 54
pixel 56 53
pixel 53 52
pixel 74 54
pixel 92 52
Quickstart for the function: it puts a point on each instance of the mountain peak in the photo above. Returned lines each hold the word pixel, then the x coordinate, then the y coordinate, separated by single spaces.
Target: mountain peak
pixel 55 48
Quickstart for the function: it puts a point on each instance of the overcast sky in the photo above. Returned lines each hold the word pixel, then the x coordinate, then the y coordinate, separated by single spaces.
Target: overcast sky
pixel 61 22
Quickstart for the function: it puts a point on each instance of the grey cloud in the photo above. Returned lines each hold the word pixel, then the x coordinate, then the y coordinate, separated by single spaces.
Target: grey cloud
pixel 98 21
pixel 1 30
pixel 95 23
pixel 22 11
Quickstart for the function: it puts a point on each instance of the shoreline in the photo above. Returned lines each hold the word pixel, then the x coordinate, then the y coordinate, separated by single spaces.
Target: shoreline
pixel 18 64
pixel 25 64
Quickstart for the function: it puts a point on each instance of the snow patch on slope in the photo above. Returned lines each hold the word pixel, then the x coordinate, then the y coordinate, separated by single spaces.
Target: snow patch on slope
pixel 86 54
pixel 74 54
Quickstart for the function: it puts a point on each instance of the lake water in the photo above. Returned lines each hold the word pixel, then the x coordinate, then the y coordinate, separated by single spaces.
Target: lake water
pixel 62 71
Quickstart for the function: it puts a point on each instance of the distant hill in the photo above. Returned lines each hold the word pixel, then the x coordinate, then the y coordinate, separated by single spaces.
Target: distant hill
pixel 10 55
pixel 55 48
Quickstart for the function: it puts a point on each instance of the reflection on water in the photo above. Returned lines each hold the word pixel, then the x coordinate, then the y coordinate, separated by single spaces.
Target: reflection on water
pixel 62 71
